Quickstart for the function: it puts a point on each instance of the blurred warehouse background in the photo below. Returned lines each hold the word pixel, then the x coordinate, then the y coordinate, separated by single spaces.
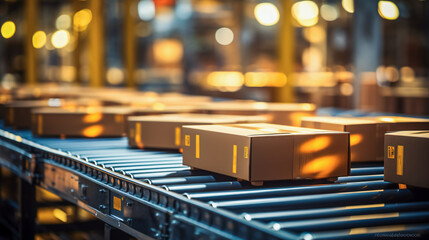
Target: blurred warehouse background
pixel 369 55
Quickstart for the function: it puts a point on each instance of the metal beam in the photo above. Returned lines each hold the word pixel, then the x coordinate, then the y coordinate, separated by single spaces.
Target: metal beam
pixel 129 44
pixel 96 44
pixel 30 20
pixel 286 52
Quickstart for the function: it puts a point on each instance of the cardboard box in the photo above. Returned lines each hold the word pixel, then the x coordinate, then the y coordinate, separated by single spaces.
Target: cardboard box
pixel 405 159
pixel 362 134
pixel 392 124
pixel 92 122
pixel 18 113
pixel 278 113
pixel 264 152
pixel 164 131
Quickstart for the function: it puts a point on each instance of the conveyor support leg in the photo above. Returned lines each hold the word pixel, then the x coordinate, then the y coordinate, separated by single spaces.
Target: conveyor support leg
pixel 27 210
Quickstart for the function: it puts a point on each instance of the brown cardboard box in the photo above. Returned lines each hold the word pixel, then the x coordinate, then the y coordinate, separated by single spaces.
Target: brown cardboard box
pixel 18 113
pixel 278 113
pixel 264 152
pixel 164 131
pixel 391 124
pixel 4 99
pixel 405 159
pixel 362 134
pixel 91 122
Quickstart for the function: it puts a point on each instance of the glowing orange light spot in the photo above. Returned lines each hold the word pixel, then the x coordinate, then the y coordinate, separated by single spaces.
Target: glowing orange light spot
pixel 92 117
pixel 70 107
pixel 355 139
pixel 321 167
pixel 60 214
pixel 140 145
pixel 315 144
pixel 296 118
pixel 92 109
pixel 93 131
pixel 265 79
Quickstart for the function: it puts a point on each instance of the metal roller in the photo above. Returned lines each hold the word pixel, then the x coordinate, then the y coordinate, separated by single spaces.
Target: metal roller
pixel 158 170
pixel 153 166
pixel 181 180
pixel 356 221
pixel 363 178
pixel 291 191
pixel 366 171
pixel 413 231
pixel 167 174
pixel 293 215
pixel 127 166
pixel 317 200
pixel 203 187
pixel 142 159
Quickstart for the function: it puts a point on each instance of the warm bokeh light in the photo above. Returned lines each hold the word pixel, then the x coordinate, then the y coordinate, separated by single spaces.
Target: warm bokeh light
pixel 306 13
pixel 81 19
pixel 8 29
pixel 115 76
pixel 346 89
pixel 315 34
pixel 315 144
pixel 391 74
pixel 407 74
pixel 329 12
pixel 39 39
pixel 265 79
pixel 167 51
pixel 224 36
pixel 355 139
pixel 146 10
pixel 348 5
pixel 158 106
pixel 68 73
pixel 92 117
pixel 226 81
pixel 63 22
pixel 315 79
pixel 267 14
pixel 312 59
pixel 60 39
pixel 321 167
pixel 388 10
pixel 60 214
pixel 93 131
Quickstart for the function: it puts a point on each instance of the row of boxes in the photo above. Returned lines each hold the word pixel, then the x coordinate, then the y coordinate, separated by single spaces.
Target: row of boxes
pixel 366 133
pixel 259 152
pixel 240 143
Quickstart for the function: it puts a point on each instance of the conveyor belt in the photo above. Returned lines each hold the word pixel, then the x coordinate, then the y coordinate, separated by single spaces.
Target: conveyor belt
pixel 200 203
